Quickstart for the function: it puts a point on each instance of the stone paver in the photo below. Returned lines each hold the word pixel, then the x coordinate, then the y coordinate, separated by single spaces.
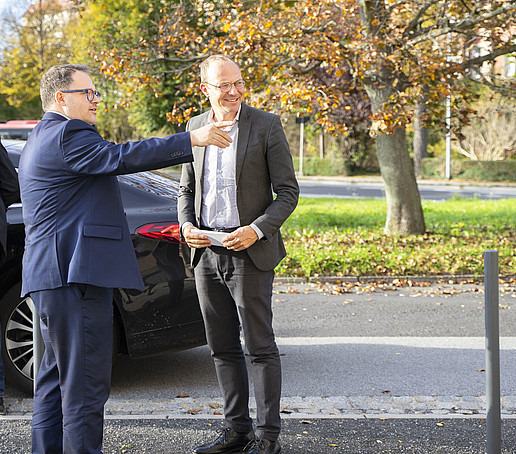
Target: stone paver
pixel 299 407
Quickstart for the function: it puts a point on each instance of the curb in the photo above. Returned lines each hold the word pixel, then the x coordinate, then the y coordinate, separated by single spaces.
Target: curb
pixel 378 179
pixel 439 279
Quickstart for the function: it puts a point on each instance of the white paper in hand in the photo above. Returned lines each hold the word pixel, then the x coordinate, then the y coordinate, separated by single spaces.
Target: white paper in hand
pixel 215 237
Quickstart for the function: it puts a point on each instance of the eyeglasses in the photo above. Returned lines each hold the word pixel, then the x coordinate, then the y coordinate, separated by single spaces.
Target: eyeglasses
pixel 90 93
pixel 225 87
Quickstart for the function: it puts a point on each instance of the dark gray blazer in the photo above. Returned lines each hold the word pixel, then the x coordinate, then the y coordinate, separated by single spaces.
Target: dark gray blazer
pixel 263 166
pixel 9 193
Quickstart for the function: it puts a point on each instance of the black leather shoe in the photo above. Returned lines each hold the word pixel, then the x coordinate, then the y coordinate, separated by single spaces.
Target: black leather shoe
pixel 227 442
pixel 263 447
pixel 2 408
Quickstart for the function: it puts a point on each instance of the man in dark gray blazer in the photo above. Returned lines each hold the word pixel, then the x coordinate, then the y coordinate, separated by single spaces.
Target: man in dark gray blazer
pixel 229 192
pixel 78 248
pixel 9 193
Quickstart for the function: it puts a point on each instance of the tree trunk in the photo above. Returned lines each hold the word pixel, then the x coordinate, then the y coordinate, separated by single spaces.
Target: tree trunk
pixel 404 210
pixel 420 142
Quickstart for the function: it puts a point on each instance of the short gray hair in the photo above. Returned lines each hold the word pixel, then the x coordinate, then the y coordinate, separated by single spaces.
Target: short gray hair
pixel 206 63
pixel 55 79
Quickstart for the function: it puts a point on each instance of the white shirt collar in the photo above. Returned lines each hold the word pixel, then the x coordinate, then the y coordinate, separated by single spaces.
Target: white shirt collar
pixel 59 113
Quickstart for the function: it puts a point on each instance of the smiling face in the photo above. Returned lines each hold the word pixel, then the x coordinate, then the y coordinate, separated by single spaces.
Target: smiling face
pixel 224 105
pixel 76 105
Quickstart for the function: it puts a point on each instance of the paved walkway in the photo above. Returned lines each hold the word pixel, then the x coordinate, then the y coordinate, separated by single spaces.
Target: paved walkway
pixel 300 407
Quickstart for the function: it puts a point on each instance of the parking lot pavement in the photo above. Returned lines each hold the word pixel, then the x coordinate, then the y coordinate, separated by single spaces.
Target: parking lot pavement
pixel 309 436
pixel 400 371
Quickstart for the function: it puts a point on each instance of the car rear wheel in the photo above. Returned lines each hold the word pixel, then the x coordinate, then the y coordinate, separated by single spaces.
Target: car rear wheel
pixel 17 339
pixel 17 345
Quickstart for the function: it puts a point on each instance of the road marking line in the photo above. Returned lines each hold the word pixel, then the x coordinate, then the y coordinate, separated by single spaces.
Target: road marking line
pixel 475 343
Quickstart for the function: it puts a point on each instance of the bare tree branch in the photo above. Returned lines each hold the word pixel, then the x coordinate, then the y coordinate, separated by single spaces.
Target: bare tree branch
pixel 490 56
pixel 452 27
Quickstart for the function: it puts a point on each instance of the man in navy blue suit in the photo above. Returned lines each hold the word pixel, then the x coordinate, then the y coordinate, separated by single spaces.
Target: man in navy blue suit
pixel 78 248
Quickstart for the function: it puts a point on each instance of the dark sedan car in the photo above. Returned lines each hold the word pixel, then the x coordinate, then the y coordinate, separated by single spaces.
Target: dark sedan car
pixel 164 316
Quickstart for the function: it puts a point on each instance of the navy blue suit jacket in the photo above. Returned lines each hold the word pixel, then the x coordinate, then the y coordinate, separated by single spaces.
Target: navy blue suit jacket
pixel 75 226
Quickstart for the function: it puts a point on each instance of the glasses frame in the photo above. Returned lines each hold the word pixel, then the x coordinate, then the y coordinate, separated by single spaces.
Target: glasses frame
pixel 229 84
pixel 87 91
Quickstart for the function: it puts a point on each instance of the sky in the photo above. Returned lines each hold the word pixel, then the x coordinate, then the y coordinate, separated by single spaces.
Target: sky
pixel 17 6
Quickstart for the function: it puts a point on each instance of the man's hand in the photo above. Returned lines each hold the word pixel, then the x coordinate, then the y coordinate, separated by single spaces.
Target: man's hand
pixel 240 239
pixel 211 134
pixel 195 240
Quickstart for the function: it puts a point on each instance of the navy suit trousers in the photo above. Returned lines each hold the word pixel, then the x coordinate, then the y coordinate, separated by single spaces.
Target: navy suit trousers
pixel 74 378
pixel 235 297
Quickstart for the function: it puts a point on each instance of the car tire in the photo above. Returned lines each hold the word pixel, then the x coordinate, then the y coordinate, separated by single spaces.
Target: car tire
pixel 17 339
pixel 17 344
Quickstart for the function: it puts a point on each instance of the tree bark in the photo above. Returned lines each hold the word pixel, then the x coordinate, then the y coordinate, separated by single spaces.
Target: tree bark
pixel 404 210
pixel 420 142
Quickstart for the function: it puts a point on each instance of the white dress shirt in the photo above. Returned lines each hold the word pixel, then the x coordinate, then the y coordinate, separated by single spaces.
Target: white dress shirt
pixel 219 204
pixel 219 201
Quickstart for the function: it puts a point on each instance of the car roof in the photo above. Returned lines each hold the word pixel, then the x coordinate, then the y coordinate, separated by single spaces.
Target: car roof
pixel 19 124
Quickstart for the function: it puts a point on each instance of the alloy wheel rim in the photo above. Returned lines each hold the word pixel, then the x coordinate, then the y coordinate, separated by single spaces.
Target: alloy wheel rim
pixel 19 337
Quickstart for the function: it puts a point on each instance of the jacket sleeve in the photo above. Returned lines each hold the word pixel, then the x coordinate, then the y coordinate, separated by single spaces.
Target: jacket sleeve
pixel 9 189
pixel 283 181
pixel 87 153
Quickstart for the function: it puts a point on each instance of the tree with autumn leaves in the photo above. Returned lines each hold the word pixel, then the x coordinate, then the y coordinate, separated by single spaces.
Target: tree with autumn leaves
pixel 298 56
pixel 295 55
pixel 30 46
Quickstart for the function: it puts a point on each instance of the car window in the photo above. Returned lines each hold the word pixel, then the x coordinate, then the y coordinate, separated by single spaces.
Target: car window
pixel 15 134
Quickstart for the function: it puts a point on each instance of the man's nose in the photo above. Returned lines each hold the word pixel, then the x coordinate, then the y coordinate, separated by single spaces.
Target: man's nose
pixel 233 89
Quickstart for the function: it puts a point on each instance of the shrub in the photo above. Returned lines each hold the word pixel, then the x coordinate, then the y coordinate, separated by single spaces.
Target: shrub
pixel 470 170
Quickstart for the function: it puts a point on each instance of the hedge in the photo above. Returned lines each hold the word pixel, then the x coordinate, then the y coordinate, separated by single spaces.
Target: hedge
pixel 470 170
pixel 322 167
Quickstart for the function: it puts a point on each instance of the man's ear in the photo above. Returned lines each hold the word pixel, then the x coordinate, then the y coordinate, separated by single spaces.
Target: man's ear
pixel 204 89
pixel 59 98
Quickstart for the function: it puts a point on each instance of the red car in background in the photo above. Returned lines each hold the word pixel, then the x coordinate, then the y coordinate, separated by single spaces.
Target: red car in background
pixel 17 129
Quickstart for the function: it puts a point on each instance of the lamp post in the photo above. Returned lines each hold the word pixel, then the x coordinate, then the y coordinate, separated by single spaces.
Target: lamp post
pixel 301 121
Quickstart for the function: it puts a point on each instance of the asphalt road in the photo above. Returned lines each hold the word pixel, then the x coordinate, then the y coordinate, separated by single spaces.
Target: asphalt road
pixel 373 188
pixel 318 436
pixel 368 368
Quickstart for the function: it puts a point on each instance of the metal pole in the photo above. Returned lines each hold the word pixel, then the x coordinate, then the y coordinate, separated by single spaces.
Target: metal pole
pixel 37 343
pixel 301 139
pixel 448 118
pixel 494 432
pixel 448 137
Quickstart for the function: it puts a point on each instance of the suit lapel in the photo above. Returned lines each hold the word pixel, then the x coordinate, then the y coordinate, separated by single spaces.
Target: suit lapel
pixel 200 152
pixel 244 128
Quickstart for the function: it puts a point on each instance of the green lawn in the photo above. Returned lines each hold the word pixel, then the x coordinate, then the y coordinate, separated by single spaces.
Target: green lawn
pixel 342 237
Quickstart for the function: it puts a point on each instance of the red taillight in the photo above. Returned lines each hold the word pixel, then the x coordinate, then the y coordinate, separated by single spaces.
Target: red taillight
pixel 167 231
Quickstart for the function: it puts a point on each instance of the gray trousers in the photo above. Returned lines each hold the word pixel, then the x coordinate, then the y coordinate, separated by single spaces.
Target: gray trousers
pixel 235 297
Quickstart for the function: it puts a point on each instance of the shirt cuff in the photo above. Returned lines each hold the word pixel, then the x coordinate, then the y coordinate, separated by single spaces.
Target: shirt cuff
pixel 184 225
pixel 258 231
